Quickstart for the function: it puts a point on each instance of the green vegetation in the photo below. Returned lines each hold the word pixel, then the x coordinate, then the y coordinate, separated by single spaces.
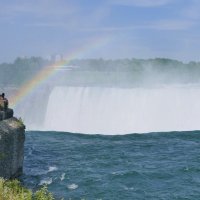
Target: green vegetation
pixel 20 121
pixel 12 190
pixel 135 72
pixel 99 71
pixel 17 73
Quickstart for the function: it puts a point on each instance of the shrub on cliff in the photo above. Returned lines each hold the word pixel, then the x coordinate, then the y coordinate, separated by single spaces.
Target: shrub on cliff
pixel 20 122
pixel 13 190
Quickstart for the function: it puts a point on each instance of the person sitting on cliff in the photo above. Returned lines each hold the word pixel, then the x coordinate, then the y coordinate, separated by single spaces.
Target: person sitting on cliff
pixel 3 102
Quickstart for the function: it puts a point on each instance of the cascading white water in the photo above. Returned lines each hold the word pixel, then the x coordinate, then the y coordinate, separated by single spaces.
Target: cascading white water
pixel 95 110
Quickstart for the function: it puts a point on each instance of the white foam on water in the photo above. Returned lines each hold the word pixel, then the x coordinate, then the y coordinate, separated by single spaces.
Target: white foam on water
pixel 52 168
pixel 128 188
pixel 96 110
pixel 46 181
pixel 62 177
pixel 72 186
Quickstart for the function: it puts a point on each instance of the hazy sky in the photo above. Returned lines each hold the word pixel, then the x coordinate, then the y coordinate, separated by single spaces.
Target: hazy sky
pixel 105 28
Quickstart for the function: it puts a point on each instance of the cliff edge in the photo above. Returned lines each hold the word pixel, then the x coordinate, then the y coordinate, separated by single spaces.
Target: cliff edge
pixel 12 137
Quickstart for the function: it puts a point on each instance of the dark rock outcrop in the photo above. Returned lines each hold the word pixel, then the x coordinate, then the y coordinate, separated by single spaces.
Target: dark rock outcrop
pixel 6 114
pixel 12 137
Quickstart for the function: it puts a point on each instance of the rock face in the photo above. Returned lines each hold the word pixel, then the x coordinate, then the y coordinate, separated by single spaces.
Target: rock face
pixel 12 137
pixel 6 114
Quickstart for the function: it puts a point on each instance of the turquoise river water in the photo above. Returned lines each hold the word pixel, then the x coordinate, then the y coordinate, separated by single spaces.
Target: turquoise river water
pixel 135 166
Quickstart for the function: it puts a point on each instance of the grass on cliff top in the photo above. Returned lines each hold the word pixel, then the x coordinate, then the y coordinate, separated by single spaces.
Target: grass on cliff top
pixel 12 190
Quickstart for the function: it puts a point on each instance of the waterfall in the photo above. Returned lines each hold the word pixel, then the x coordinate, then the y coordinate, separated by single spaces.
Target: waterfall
pixel 96 110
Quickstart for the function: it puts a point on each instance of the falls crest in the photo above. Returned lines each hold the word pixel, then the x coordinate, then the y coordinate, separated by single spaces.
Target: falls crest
pixel 94 110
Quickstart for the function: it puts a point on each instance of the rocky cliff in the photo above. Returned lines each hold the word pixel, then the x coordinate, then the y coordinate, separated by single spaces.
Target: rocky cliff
pixel 12 136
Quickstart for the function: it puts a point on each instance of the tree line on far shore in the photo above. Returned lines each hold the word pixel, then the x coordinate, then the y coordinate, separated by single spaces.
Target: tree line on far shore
pixel 24 69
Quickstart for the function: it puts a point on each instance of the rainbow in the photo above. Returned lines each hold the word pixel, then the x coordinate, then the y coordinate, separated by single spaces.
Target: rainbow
pixel 48 71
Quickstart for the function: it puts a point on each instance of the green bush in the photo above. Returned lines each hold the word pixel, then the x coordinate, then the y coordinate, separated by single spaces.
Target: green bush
pixel 12 190
pixel 20 121
pixel 43 194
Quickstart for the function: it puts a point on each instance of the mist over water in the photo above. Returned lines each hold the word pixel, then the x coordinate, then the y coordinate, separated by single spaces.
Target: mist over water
pixel 98 110
pixel 97 96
